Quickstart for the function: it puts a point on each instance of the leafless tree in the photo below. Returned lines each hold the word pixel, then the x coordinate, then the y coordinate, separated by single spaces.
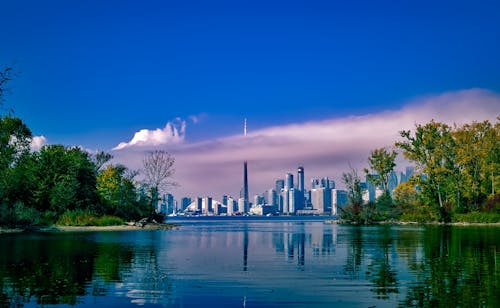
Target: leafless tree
pixel 158 171
pixel 5 76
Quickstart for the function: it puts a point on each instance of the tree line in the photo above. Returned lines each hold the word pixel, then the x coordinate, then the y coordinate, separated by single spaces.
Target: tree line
pixel 68 185
pixel 456 176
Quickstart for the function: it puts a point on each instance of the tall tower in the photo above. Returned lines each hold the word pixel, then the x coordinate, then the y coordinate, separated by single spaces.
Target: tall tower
pixel 245 174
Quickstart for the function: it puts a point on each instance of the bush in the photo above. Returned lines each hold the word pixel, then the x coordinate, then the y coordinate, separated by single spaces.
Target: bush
pixel 25 215
pixel 86 218
pixel 476 217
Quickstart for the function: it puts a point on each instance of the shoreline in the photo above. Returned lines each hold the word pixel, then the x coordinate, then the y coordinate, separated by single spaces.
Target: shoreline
pixel 55 229
pixel 404 223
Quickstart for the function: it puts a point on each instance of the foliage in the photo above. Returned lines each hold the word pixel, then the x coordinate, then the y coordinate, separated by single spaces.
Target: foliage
pixel 457 168
pixel 476 217
pixel 86 218
pixel 66 179
pixel 381 162
pixel 119 195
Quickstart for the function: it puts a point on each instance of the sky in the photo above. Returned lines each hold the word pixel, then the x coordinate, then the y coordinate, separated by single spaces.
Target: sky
pixel 322 83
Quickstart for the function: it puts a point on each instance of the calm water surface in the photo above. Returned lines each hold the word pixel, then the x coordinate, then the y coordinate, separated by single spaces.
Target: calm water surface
pixel 255 263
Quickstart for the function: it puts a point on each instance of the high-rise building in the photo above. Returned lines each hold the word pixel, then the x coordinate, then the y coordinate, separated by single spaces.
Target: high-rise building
pixel 321 199
pixel 230 206
pixel 242 206
pixel 170 204
pixel 185 202
pixel 325 182
pixel 258 200
pixel 293 198
pixel 199 204
pixel 285 206
pixel 300 188
pixel 272 197
pixel 315 183
pixel 288 181
pixel 339 199
pixel 279 185
pixel 206 205
pixel 393 182
pixel 300 179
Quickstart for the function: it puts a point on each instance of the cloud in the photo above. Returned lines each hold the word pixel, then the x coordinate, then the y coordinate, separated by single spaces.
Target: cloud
pixel 37 143
pixel 324 148
pixel 172 133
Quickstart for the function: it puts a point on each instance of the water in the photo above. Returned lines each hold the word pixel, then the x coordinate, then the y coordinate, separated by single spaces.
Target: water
pixel 255 263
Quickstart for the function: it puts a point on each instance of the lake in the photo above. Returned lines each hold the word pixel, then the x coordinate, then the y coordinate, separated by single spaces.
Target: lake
pixel 248 262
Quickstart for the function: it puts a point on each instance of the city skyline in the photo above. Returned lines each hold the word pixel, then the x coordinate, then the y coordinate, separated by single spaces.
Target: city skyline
pixel 322 83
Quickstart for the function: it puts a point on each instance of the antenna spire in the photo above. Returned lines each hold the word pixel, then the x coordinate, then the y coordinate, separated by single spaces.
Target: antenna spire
pixel 245 127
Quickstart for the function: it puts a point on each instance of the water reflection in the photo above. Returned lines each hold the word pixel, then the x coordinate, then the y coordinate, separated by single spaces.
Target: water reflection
pixel 261 263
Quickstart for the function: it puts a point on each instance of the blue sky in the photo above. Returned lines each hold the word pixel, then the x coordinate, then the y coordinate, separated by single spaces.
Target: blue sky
pixel 92 73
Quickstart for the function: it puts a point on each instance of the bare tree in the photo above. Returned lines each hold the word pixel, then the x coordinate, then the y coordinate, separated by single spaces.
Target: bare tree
pixel 158 169
pixel 100 159
pixel 6 75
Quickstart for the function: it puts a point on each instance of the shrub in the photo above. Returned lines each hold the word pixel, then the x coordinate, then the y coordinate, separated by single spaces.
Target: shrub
pixel 25 215
pixel 476 217
pixel 86 218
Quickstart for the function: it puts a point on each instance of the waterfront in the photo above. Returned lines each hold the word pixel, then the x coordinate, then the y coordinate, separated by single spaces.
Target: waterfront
pixel 265 262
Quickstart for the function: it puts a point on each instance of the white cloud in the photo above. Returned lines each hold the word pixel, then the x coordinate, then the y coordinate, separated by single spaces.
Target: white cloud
pixel 325 148
pixel 172 133
pixel 37 143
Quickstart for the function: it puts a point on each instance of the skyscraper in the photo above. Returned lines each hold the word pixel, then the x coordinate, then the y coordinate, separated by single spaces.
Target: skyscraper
pixel 300 188
pixel 280 184
pixel 300 179
pixel 288 181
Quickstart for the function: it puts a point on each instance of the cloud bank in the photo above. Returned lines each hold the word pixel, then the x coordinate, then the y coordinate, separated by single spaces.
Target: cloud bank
pixel 324 148
pixel 172 133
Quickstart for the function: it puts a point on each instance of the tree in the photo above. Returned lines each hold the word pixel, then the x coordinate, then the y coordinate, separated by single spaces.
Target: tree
pixel 100 159
pixel 382 163
pixel 431 147
pixel 118 193
pixel 15 139
pixel 158 169
pixel 65 180
pixel 354 210
pixel 5 76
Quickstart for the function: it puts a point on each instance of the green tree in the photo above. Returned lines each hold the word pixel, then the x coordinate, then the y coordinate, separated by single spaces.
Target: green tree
pixel 381 162
pixel 431 147
pixel 119 194
pixel 66 180
pixel 15 138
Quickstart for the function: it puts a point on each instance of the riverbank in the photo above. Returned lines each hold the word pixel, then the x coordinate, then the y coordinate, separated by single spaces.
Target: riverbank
pixel 166 226
pixel 341 222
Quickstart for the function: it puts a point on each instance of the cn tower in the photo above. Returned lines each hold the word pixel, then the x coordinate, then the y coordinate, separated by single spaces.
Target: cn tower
pixel 245 175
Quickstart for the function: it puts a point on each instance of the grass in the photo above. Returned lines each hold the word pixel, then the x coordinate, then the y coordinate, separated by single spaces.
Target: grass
pixel 476 217
pixel 83 218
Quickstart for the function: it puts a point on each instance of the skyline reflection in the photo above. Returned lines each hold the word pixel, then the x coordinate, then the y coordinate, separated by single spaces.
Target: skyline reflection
pixel 260 262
